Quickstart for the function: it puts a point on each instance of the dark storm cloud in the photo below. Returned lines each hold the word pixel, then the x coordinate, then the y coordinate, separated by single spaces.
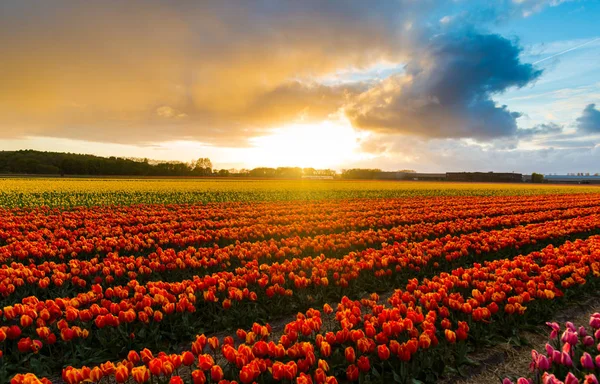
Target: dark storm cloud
pixel 447 90
pixel 589 121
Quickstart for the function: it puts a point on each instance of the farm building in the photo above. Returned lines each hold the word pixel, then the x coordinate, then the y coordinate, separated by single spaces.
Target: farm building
pixel 485 177
pixel 572 179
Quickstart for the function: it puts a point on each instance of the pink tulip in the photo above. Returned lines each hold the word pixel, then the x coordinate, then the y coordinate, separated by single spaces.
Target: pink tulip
pixel 582 332
pixel 534 359
pixel 548 378
pixel 586 361
pixel 569 336
pixel 566 360
pixel 543 363
pixel 555 328
pixel 571 326
pixel 595 321
pixel 567 348
pixel 590 379
pixel 557 357
pixel 597 361
pixel 523 380
pixel 571 379
pixel 549 350
pixel 507 381
pixel 588 341
pixel 597 334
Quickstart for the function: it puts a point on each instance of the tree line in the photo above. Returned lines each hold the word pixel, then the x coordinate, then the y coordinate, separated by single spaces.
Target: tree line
pixel 57 163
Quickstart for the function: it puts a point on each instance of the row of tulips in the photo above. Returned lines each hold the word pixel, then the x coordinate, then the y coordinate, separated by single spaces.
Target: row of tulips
pixel 48 224
pixel 145 314
pixel 209 216
pixel 421 330
pixel 143 222
pixel 570 356
pixel 20 280
pixel 98 237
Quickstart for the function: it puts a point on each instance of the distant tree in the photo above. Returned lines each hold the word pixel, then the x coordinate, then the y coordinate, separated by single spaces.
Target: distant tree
pixel 309 172
pixel 289 172
pixel 203 167
pixel 360 173
pixel 537 178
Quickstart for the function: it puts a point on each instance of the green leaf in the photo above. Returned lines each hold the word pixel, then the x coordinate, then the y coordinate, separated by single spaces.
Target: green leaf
pixel 376 373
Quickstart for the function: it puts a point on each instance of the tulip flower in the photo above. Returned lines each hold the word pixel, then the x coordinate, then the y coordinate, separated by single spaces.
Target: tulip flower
pixel 198 377
pixel 587 362
pixel 121 374
pixel 352 373
pixel 350 354
pixel 216 373
pixel 140 374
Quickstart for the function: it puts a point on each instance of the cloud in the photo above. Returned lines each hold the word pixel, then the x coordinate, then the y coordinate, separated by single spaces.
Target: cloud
pixel 222 72
pixel 589 121
pixel 447 90
pixel 87 70
pixel 169 113
pixel 539 130
pixel 446 155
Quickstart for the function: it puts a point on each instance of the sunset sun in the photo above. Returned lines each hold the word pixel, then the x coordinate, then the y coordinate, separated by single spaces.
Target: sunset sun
pixel 321 145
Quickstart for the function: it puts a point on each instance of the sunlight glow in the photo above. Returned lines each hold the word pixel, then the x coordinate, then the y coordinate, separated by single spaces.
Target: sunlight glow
pixel 322 145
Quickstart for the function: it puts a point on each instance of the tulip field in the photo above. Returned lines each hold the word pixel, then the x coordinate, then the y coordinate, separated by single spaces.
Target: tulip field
pixel 199 281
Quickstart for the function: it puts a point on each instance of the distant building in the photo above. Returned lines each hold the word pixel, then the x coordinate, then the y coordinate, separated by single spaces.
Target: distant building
pixel 387 175
pixel 572 179
pixel 487 177
pixel 424 176
pixel 410 176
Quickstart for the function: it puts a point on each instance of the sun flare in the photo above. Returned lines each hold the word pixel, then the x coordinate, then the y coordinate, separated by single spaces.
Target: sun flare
pixel 323 145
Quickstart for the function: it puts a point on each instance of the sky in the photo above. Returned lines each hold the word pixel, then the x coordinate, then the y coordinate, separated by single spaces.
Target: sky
pixel 435 86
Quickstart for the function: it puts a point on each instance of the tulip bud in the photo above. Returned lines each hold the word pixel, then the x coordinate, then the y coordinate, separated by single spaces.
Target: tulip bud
pixel 121 374
pixel 571 379
pixel 350 355
pixel 383 352
pixel 198 377
pixel 216 373
pixel 566 360
pixel 352 373
pixel 586 361
pixel 364 364
pixel 588 341
pixel 543 363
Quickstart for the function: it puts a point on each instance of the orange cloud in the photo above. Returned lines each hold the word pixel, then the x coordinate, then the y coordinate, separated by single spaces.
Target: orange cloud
pixel 152 70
